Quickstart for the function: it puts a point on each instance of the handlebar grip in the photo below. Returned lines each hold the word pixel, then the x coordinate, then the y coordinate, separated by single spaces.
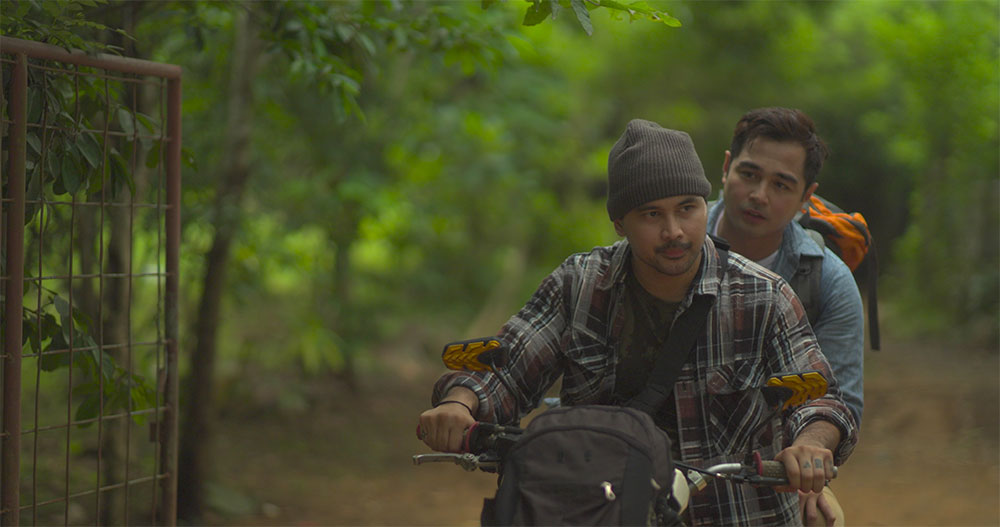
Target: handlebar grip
pixel 471 434
pixel 776 469
pixel 771 469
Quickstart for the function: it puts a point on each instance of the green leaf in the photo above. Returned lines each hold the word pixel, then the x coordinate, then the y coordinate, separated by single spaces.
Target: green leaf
pixel 187 156
pixel 669 20
pixel 555 7
pixel 367 43
pixel 120 173
pixel 537 13
pixel 52 164
pixel 29 335
pixel 81 321
pixel 125 121
pixel 34 142
pixel 146 121
pixel 90 149
pixel 107 365
pixel 34 105
pixel 53 361
pixel 486 4
pixel 51 329
pixel 89 407
pixel 62 307
pixel 71 177
pixel 153 157
pixel 34 190
pixel 97 180
pixel 53 9
pixel 583 16
pixel 57 341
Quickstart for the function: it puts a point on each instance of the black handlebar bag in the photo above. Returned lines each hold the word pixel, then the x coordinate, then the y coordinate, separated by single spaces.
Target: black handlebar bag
pixel 586 465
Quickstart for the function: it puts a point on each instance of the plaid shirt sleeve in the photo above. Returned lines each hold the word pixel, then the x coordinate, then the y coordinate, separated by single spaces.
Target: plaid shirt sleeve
pixel 797 350
pixel 532 339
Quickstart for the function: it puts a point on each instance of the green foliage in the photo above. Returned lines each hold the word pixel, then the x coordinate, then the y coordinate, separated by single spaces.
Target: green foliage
pixel 71 156
pixel 418 167
pixel 63 23
pixel 103 386
pixel 459 173
pixel 540 10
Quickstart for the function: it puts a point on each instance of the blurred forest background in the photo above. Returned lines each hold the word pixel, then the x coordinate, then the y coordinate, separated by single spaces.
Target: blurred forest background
pixel 366 181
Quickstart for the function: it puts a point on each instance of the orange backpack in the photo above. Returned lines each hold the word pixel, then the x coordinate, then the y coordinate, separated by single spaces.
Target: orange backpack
pixel 847 235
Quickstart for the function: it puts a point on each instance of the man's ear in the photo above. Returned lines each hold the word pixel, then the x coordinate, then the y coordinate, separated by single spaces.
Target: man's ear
pixel 809 192
pixel 725 165
pixel 619 227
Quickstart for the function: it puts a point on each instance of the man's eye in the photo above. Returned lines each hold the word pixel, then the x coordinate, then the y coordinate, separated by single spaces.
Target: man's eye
pixel 748 175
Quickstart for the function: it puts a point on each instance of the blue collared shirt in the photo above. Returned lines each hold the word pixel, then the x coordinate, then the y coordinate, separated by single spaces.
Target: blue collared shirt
pixel 840 325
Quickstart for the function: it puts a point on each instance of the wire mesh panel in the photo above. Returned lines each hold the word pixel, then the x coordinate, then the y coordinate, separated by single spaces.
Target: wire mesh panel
pixel 91 151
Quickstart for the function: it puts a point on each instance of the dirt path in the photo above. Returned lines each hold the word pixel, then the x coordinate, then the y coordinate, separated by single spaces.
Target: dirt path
pixel 928 454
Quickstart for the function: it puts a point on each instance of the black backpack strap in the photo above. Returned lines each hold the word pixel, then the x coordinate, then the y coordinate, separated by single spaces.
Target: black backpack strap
pixel 680 343
pixel 505 504
pixel 806 284
pixel 637 490
pixel 871 260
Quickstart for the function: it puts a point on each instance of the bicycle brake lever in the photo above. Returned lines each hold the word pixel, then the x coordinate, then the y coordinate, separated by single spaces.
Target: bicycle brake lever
pixel 467 461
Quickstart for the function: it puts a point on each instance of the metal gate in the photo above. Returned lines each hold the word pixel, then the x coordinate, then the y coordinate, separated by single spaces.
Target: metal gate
pixel 89 255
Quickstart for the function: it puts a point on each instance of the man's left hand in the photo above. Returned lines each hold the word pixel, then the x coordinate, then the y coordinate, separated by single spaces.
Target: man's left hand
pixel 807 465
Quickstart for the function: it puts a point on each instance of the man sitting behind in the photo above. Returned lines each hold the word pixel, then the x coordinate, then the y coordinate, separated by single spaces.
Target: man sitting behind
pixel 768 175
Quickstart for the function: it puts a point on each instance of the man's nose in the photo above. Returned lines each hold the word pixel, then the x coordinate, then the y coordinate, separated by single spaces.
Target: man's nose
pixel 671 229
pixel 758 193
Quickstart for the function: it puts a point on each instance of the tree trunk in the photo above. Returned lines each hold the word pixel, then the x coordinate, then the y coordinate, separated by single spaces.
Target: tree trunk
pixel 115 433
pixel 197 410
pixel 341 321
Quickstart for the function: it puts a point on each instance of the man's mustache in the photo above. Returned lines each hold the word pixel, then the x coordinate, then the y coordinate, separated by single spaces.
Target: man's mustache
pixel 674 245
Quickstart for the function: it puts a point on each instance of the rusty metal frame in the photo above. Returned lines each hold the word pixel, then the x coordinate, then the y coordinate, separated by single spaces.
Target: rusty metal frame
pixel 13 235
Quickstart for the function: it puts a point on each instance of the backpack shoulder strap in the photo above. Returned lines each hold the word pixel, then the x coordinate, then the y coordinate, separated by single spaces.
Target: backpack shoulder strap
pixel 505 503
pixel 872 269
pixel 816 237
pixel 806 284
pixel 679 345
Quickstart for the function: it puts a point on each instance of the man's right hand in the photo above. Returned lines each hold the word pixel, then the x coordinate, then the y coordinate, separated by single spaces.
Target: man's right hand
pixel 443 427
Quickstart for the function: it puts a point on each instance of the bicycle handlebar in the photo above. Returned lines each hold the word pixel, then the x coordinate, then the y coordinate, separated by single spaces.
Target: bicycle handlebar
pixel 485 445
pixel 754 471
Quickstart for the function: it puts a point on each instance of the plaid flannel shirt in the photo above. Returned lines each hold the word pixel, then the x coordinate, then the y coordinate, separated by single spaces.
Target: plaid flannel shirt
pixel 756 328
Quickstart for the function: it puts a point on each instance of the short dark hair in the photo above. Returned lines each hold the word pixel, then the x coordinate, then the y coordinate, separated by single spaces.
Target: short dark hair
pixel 782 124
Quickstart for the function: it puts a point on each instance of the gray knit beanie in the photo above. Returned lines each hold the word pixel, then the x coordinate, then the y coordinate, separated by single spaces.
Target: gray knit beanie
pixel 650 162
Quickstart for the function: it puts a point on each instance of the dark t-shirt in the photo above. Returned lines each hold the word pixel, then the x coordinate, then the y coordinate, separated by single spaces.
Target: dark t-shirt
pixel 647 325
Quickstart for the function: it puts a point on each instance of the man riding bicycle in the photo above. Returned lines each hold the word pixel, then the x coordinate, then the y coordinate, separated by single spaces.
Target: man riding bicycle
pixel 601 318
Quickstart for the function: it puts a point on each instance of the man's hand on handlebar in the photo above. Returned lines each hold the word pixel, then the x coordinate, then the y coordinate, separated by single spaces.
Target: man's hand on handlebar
pixel 443 427
pixel 809 461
